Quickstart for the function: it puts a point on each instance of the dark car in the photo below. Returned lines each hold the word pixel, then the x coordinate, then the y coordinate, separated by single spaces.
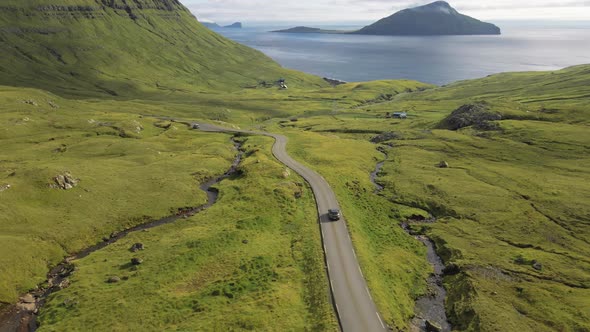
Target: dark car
pixel 334 214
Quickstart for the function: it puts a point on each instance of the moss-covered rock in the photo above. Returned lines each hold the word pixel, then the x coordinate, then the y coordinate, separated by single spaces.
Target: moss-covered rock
pixel 477 115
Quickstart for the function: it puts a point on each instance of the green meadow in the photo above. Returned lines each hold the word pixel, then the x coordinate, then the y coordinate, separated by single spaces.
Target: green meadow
pixel 512 197
pixel 494 216
pixel 253 261
pixel 128 168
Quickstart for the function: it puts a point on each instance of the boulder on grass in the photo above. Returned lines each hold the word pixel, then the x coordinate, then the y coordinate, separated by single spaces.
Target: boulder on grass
pixel 443 164
pixel 137 247
pixel 65 181
pixel 113 280
pixel 136 261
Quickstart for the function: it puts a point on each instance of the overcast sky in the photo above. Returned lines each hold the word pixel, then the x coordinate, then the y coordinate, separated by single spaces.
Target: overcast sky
pixel 337 11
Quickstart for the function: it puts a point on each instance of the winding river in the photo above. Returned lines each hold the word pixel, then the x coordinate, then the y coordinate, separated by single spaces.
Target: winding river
pixel 430 308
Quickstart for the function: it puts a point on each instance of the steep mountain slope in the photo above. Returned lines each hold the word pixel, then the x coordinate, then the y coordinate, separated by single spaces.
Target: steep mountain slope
pixel 437 18
pixel 123 48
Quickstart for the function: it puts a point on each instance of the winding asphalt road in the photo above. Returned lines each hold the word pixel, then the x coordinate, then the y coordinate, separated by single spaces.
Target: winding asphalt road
pixel 354 305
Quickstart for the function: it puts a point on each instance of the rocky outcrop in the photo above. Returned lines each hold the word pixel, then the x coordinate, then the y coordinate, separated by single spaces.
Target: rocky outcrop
pixel 137 247
pixel 30 102
pixel 334 81
pixel 27 303
pixel 387 136
pixel 113 280
pixel 477 115
pixel 62 284
pixel 65 181
pixel 136 261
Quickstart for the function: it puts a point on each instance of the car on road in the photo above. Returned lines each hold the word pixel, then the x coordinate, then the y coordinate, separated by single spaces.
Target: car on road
pixel 334 214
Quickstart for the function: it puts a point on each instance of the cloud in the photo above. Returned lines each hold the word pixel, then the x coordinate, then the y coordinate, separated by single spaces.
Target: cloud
pixel 370 10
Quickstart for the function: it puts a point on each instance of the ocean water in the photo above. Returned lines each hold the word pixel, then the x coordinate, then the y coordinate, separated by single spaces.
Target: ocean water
pixel 438 60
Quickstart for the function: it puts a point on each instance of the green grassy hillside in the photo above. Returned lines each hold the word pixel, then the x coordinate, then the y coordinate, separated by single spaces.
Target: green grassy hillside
pixel 495 216
pixel 512 213
pixel 233 267
pixel 44 135
pixel 230 261
pixel 128 168
pixel 123 48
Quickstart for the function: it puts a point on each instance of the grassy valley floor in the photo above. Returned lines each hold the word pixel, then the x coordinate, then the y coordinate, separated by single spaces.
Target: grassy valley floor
pixel 512 223
pixel 132 169
pixel 511 216
pixel 253 261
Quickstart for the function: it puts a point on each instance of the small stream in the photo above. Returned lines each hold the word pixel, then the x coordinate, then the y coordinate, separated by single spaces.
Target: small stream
pixel 374 176
pixel 21 317
pixel 430 308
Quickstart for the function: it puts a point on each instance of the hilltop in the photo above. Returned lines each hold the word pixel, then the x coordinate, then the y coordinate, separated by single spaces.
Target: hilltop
pixel 121 48
pixel 437 18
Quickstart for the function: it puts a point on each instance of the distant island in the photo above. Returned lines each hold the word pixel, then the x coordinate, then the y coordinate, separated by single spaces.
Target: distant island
pixel 303 29
pixel 435 19
pixel 213 25
pixel 237 25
